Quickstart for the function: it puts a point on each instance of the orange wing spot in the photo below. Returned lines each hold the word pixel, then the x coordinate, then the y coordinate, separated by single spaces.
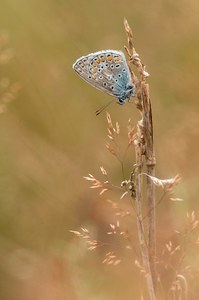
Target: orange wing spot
pixel 94 65
pixel 109 58
pixel 117 58
pixel 97 60
pixel 102 59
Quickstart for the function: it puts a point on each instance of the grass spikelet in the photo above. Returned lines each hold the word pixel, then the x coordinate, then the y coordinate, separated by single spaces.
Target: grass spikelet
pixel 131 133
pixel 111 149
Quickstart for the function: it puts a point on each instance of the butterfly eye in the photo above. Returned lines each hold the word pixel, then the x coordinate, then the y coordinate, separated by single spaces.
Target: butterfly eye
pixel 129 87
pixel 120 101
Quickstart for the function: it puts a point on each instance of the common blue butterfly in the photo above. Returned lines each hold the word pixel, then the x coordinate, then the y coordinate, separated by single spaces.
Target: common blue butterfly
pixel 108 71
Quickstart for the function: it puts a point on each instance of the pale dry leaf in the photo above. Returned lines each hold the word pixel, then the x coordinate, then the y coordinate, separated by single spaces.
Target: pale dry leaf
pixel 164 183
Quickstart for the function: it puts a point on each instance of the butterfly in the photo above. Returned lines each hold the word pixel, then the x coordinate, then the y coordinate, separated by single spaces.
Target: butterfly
pixel 108 71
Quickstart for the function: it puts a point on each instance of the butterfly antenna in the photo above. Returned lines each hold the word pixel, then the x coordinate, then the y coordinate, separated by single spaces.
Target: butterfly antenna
pixel 103 107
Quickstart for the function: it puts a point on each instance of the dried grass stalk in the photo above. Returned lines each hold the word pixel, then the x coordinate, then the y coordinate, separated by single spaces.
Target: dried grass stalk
pixel 144 155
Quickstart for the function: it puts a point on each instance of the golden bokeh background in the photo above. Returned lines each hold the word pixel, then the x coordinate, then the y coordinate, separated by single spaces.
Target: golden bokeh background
pixel 50 138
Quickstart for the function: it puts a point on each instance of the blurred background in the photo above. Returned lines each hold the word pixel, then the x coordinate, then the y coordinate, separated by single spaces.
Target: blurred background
pixel 50 138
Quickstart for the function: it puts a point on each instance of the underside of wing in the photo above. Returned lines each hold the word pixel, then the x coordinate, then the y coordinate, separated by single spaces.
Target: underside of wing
pixel 103 70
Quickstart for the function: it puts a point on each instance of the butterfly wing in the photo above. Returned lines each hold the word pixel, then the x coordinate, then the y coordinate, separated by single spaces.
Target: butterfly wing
pixel 106 70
